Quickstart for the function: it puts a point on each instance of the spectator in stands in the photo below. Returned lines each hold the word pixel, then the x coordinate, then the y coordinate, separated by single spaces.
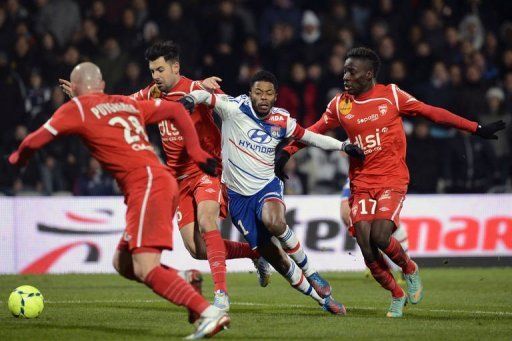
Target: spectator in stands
pixel 131 81
pixel 38 94
pixel 51 176
pixel 295 183
pixel 59 17
pixel 469 165
pixel 423 159
pixel 12 94
pixel 94 181
pixel 311 46
pixel 496 110
pixel 280 12
pixel 299 96
pixel 113 63
pixel 173 27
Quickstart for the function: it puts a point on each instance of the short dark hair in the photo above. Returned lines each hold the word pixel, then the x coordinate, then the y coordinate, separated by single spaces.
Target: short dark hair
pixel 366 54
pixel 167 49
pixel 263 76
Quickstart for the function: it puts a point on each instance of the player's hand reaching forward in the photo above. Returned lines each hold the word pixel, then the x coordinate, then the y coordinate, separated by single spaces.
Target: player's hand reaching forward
pixel 211 83
pixel 488 131
pixel 65 85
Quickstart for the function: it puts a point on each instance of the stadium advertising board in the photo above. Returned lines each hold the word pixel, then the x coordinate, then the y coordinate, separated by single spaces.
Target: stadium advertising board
pixel 63 234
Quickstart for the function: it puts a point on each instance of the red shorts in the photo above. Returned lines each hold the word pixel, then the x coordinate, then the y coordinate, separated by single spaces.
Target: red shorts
pixel 374 204
pixel 151 198
pixel 195 189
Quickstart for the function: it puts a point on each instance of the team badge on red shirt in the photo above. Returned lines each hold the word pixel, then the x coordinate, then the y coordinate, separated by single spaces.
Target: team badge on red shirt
pixel 383 109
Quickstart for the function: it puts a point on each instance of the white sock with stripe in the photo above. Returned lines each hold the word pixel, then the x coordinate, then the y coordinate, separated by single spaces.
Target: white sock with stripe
pixel 292 247
pixel 296 278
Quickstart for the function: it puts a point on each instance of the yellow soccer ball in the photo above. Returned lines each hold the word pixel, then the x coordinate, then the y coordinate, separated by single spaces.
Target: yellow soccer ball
pixel 26 302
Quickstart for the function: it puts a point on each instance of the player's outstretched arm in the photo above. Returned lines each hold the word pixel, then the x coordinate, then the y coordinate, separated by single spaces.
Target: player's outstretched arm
pixel 29 145
pixel 329 143
pixel 283 155
pixel 410 105
pixel 223 107
pixel 158 110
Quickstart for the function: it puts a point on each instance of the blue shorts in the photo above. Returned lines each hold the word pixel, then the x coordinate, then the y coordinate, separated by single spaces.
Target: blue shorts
pixel 246 212
pixel 345 192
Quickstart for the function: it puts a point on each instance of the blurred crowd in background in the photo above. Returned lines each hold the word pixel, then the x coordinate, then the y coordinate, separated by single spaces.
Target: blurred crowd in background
pixel 452 54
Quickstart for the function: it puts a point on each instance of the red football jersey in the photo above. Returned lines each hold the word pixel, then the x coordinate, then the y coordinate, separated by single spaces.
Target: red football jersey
pixel 172 141
pixel 373 121
pixel 112 127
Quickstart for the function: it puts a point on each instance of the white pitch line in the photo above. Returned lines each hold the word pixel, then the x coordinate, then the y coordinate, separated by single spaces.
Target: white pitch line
pixel 474 312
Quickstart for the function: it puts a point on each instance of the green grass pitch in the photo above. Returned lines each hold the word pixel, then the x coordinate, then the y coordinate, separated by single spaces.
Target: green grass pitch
pixel 464 304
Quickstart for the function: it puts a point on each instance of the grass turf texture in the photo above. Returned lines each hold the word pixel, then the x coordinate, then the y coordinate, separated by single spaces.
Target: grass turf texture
pixel 469 304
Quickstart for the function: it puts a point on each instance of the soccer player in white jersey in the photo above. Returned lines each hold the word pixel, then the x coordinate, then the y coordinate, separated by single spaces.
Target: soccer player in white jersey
pixel 251 129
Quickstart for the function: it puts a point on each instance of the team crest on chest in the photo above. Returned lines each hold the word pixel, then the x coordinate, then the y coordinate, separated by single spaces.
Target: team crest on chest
pixel 344 107
pixel 383 109
pixel 275 131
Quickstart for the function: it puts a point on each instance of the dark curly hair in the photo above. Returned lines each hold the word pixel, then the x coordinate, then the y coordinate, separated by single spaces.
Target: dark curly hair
pixel 264 76
pixel 368 55
pixel 167 49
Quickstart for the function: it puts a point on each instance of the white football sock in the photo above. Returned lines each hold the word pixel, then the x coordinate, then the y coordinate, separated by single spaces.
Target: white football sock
pixel 296 278
pixel 292 247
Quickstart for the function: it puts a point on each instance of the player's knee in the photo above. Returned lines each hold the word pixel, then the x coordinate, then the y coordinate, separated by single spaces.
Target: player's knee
pixel 380 238
pixel 116 263
pixel 191 250
pixel 121 268
pixel 276 225
pixel 140 271
pixel 207 222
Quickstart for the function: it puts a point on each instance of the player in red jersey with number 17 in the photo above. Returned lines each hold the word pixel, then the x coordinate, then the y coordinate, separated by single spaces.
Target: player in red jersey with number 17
pixel 371 114
pixel 113 129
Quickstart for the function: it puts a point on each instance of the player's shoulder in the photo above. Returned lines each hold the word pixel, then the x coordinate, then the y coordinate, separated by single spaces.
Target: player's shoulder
pixel 278 116
pixel 334 102
pixel 239 100
pixel 280 112
pixel 186 85
pixel 144 93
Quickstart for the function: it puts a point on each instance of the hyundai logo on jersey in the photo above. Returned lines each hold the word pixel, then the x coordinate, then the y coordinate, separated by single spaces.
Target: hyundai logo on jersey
pixel 259 136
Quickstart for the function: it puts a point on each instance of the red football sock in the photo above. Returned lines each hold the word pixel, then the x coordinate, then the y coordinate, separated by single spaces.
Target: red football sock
pixel 395 252
pixel 385 278
pixel 167 283
pixel 216 255
pixel 239 250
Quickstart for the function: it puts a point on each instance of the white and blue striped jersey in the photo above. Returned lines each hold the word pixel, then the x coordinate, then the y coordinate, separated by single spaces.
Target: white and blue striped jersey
pixel 249 143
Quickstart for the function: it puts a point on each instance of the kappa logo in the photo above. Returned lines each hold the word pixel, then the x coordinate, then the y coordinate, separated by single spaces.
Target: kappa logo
pixel 210 190
pixel 383 109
